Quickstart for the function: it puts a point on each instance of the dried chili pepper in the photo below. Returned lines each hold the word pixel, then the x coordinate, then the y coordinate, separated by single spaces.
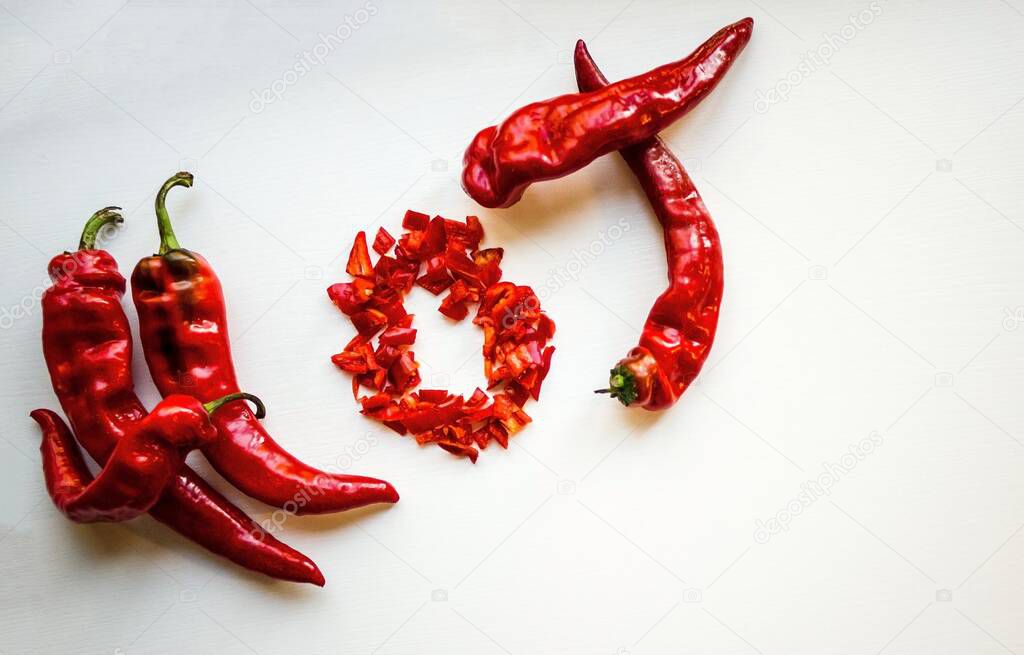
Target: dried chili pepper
pixel 143 463
pixel 87 344
pixel 680 328
pixel 550 139
pixel 183 327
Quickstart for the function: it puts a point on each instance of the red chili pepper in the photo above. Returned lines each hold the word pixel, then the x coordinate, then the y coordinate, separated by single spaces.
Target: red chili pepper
pixel 184 333
pixel 87 344
pixel 680 328
pixel 550 139
pixel 139 469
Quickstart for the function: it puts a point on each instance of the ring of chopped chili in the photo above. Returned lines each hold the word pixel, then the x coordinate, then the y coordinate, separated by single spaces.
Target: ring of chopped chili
pixel 441 255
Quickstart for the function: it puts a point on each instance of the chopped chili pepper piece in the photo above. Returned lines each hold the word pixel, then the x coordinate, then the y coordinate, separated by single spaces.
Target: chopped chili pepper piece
pixel 398 336
pixel 349 297
pixel 463 451
pixel 369 322
pixel 359 258
pixel 383 241
pixel 415 220
pixel 436 279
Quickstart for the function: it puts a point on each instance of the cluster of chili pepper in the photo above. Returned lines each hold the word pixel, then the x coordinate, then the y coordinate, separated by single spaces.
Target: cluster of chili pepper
pixel 515 328
pixel 551 139
pixel 87 345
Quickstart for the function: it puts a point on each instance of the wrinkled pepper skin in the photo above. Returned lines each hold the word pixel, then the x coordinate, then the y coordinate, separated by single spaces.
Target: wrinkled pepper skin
pixel 184 333
pixel 138 471
pixel 550 139
pixel 680 328
pixel 87 344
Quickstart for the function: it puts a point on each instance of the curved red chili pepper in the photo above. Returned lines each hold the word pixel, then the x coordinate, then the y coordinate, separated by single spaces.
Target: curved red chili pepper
pixel 681 325
pixel 550 139
pixel 87 344
pixel 139 469
pixel 183 327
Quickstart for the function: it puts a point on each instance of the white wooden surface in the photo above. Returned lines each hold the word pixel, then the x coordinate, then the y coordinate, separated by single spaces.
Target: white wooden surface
pixel 872 223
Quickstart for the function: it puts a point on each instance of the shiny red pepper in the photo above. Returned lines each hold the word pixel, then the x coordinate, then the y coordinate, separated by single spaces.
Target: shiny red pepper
pixel 144 462
pixel 681 326
pixel 87 344
pixel 550 139
pixel 183 327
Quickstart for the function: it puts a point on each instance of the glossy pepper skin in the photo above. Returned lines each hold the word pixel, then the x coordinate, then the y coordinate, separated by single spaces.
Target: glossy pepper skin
pixel 550 139
pixel 680 328
pixel 184 332
pixel 138 471
pixel 88 349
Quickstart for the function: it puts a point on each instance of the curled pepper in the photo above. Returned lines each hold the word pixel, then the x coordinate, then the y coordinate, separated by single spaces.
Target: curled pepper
pixel 143 463
pixel 550 139
pixel 184 332
pixel 681 326
pixel 87 344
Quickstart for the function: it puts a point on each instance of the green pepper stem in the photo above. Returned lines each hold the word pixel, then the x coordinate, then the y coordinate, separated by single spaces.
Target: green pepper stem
pixel 621 385
pixel 163 221
pixel 214 405
pixel 97 222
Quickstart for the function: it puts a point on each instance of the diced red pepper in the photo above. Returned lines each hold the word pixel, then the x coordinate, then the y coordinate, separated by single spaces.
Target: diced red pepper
pixel 435 239
pixel 488 262
pixel 398 336
pixel 542 372
pixel 383 241
pixel 403 373
pixel 436 278
pixel 454 304
pixel 435 396
pixel 515 331
pixel 350 296
pixel 387 355
pixel 462 451
pixel 368 322
pixel 415 220
pixel 359 264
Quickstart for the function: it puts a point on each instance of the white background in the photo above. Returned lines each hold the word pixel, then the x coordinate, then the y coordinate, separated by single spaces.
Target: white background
pixel 873 230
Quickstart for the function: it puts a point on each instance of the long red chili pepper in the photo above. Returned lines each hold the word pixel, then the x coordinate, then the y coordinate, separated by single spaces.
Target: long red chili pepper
pixel 139 469
pixel 550 139
pixel 87 344
pixel 681 326
pixel 184 333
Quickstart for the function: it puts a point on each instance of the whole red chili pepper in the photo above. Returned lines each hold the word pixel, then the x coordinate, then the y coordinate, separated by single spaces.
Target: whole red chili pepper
pixel 87 344
pixel 681 326
pixel 184 333
pixel 139 469
pixel 550 139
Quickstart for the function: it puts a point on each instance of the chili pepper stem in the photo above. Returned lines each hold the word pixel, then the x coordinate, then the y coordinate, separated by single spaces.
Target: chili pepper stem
pixel 163 221
pixel 214 405
pixel 621 386
pixel 97 222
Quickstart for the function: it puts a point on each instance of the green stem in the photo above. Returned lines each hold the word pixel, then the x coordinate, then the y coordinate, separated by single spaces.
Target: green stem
pixel 163 221
pixel 214 405
pixel 621 385
pixel 97 222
